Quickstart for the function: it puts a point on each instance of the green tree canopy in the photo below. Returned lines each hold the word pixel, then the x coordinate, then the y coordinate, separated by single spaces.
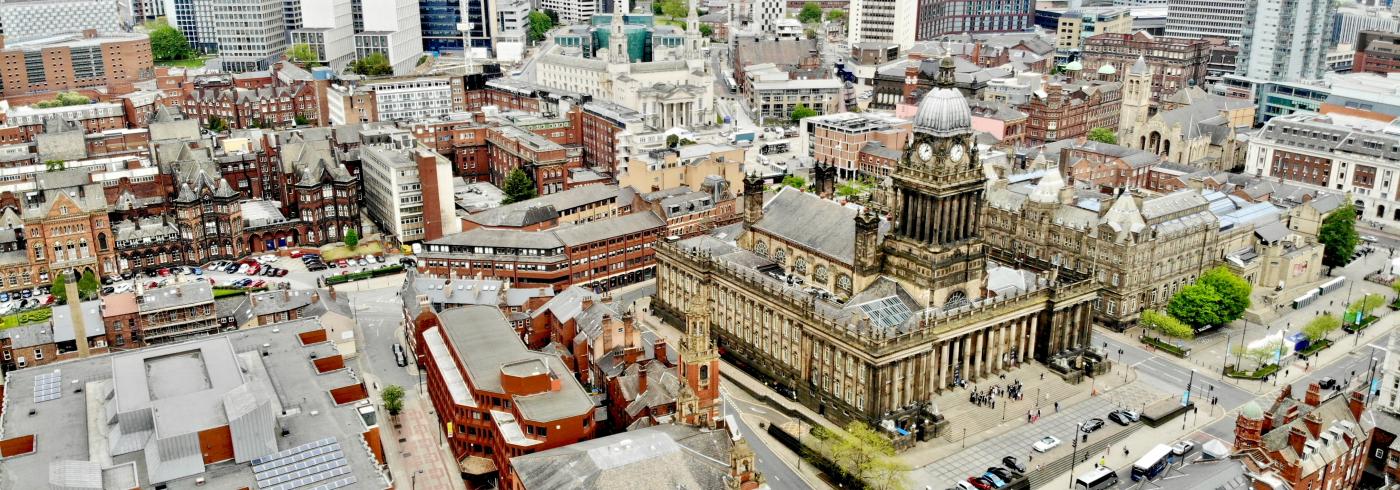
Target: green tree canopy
pixel 836 15
pixel 1166 325
pixel 1318 328
pixel 1197 305
pixel 1338 236
pixel 795 182
pixel 352 238
pixel 392 396
pixel 88 284
pixel 302 120
pixel 676 9
pixel 1365 305
pixel 706 30
pixel 810 13
pixel 518 187
pixel 1395 286
pixel 303 54
pixel 1234 292
pixel 64 99
pixel 54 165
pixel 802 112
pixel 375 64
pixel 553 16
pixel 1258 354
pixel 59 289
pixel 864 452
pixel 216 124
pixel 168 43
pixel 1103 135
pixel 540 24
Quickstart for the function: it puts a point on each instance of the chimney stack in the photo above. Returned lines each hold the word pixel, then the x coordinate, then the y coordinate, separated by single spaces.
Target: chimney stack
pixel 1314 395
pixel 1296 438
pixel 1357 403
pixel 1313 423
pixel 658 349
pixel 641 381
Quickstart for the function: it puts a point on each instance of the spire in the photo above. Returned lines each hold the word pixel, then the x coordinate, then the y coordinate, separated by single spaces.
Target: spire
pixel 1139 67
pixel 692 21
pixel 617 36
pixel 946 77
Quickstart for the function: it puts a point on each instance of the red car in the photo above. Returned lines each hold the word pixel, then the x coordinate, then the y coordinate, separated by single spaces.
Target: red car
pixel 979 483
pixel 163 271
pixel 341 263
pixel 254 268
pixel 258 283
pixel 153 285
pixel 297 253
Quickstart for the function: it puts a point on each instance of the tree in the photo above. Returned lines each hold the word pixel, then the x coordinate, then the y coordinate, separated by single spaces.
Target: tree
pixel 54 165
pixel 1196 305
pixel 795 182
pixel 836 15
pixel 1264 352
pixel 64 99
pixel 809 33
pixel 303 54
pixel 1363 307
pixel 301 120
pixel 1234 292
pixel 1318 328
pixel 672 141
pixel 801 112
pixel 518 187
pixel 854 187
pixel 656 8
pixel 375 64
pixel 1166 325
pixel 540 24
pixel 1103 135
pixel 1338 236
pixel 810 13
pixel 706 30
pixel 59 290
pixel 553 16
pixel 392 396
pixel 863 452
pixel 352 238
pixel 1395 286
pixel 217 124
pixel 676 9
pixel 168 43
pixel 88 284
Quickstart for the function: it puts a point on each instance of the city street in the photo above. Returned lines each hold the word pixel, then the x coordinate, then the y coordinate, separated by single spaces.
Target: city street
pixel 779 475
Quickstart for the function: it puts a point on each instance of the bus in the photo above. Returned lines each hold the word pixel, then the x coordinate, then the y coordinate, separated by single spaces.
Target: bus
pixel 1098 479
pixel 1152 464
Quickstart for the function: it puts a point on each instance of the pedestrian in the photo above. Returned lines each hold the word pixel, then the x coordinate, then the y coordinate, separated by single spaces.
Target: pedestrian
pixel 1042 376
pixel 1125 450
pixel 1037 413
pixel 1057 407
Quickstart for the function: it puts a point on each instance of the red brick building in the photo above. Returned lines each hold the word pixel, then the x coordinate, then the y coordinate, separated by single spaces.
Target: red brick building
pixel 599 254
pixel 74 61
pixel 497 398
pixel 544 160
pixel 1376 52
pixel 1311 443
pixel 1176 63
pixel 1069 110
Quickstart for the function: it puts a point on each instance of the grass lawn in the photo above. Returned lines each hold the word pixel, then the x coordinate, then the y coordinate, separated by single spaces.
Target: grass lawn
pixel 186 63
pixel 1314 347
pixel 1165 347
pixel 25 317
pixel 1255 374
pixel 341 252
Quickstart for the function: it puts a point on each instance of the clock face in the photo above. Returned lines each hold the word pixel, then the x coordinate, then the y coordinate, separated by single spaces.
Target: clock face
pixel 956 153
pixel 925 152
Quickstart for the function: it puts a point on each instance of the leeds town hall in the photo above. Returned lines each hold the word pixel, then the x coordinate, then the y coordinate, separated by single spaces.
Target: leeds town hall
pixel 869 311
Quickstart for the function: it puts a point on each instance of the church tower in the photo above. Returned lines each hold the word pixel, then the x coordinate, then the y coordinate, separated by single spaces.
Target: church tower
pixel 699 366
pixel 617 35
pixel 1137 98
pixel 935 247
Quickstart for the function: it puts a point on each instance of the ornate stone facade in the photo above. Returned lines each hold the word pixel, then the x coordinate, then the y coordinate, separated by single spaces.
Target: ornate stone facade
pixel 868 317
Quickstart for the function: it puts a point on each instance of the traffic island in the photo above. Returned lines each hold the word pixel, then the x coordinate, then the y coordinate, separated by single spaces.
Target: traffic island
pixel 1164 411
pixel 1263 372
pixel 1166 347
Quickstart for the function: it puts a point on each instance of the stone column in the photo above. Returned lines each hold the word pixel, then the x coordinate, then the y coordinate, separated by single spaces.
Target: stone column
pixel 1001 347
pixel 963 356
pixel 942 367
pixel 1030 344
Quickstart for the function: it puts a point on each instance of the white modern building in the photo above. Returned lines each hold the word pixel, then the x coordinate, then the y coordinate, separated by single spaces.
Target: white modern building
pixel 1197 19
pixel 28 19
pixel 395 174
pixel 1285 40
pixel 1352 19
pixel 883 21
pixel 1336 152
pixel 391 27
pixel 194 19
pixel 575 11
pixel 764 14
pixel 328 28
pixel 250 33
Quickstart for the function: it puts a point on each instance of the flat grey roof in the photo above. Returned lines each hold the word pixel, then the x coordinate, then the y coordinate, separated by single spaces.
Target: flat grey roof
pixel 176 295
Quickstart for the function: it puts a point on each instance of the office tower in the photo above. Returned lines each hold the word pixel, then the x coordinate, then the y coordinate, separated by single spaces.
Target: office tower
pixel 291 14
pixel 1285 40
pixel 30 19
pixel 327 27
pixel 1206 18
pixel 765 14
pixel 575 11
pixel 249 33
pixel 883 21
pixel 195 19
pixel 939 17
pixel 1351 20
pixel 391 27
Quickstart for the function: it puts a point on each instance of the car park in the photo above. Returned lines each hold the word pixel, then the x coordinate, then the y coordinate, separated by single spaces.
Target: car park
pixel 1010 462
pixel 995 480
pixel 1045 444
pixel 979 483
pixel 1120 418
pixel 1092 425
pixel 1003 473
pixel 1183 448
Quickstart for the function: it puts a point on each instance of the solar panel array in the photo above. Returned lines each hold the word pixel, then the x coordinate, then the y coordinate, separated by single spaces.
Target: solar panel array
pixel 304 465
pixel 48 386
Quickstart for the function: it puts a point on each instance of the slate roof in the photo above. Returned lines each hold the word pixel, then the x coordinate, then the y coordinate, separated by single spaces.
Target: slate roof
pixel 662 456
pixel 812 222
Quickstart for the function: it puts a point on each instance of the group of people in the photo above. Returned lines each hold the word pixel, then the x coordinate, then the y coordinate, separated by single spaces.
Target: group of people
pixel 988 397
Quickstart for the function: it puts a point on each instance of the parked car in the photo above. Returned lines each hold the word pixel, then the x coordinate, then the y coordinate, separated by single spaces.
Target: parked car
pixel 1369 239
pixel 1092 425
pixel 1013 464
pixel 1120 418
pixel 232 268
pixel 198 271
pixel 1327 383
pixel 342 263
pixel 399 356
pixel 26 293
pixel 1132 414
pixel 316 267
pixel 296 253
pixel 962 485
pixel 281 272
pixel 163 271
pixel 1003 473
pixel 1045 444
pixel 122 287
pixel 152 285
pixel 48 299
pixel 1183 448
pixel 979 483
pixel 258 283
pixel 995 480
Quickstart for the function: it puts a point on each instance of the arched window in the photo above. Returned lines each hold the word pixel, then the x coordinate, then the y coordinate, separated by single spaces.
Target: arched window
pixel 761 248
pixel 843 283
pixel 102 241
pixel 780 256
pixel 800 265
pixel 955 299
pixel 1380 211
pixel 820 274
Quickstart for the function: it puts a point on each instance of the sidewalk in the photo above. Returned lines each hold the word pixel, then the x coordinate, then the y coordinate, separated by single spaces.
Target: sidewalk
pixel 1144 439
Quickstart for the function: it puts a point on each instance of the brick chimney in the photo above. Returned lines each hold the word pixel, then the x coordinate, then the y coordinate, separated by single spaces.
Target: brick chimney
pixel 1357 403
pixel 586 303
pixel 641 381
pixel 1314 395
pixel 75 313
pixel 659 349
pixel 1313 423
pixel 1296 438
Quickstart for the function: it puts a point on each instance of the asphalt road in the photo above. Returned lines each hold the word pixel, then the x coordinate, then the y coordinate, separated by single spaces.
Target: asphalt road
pixel 378 313
pixel 1168 376
pixel 777 472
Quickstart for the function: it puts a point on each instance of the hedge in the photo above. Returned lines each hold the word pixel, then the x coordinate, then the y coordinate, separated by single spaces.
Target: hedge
pixel 362 275
pixel 1256 374
pixel 26 317
pixel 1365 322
pixel 1314 347
pixel 1169 348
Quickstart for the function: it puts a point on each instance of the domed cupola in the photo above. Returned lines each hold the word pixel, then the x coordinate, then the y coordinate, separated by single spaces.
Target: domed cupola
pixel 943 110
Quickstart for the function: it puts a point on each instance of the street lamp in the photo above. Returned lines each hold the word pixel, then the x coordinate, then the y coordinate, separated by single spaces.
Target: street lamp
pixel 1074 453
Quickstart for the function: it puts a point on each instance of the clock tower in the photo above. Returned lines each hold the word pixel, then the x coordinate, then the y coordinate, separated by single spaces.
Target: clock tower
pixel 935 247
